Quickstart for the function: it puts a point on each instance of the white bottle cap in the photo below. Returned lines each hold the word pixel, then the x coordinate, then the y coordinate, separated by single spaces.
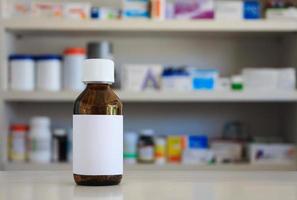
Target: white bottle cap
pixel 40 121
pixel 60 132
pixel 147 132
pixel 98 70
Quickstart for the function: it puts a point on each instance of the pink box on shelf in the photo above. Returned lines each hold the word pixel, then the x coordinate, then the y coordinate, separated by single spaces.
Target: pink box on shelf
pixel 194 9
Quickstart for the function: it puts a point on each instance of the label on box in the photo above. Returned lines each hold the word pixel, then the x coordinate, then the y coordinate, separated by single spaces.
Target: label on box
pixel 98 144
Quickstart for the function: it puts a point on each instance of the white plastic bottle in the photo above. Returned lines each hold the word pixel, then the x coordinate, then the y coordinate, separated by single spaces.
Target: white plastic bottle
pixel 22 72
pixel 48 73
pixel 72 69
pixel 130 147
pixel 40 140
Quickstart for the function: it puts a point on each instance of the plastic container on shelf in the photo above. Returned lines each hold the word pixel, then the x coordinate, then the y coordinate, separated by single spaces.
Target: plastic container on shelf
pixel 59 145
pixel 100 49
pixel 237 83
pixel 146 146
pixel 40 140
pixel 22 75
pixel 130 147
pixel 18 142
pixel 72 69
pixel 48 72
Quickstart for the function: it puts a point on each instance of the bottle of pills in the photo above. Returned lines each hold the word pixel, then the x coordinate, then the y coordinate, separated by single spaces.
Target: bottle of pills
pixel 59 145
pixel 98 128
pixel 72 68
pixel 48 72
pixel 146 147
pixel 40 140
pixel 22 77
pixel 18 142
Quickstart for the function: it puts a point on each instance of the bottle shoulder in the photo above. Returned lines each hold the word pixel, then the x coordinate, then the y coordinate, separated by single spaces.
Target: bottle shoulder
pixel 98 101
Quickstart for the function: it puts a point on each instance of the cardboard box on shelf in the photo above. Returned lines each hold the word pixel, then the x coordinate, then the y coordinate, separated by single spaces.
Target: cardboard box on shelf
pixel 47 9
pixel 226 151
pixel 141 77
pixel 76 10
pixel 194 9
pixel 229 10
pixel 135 9
pixel 272 153
pixel 175 147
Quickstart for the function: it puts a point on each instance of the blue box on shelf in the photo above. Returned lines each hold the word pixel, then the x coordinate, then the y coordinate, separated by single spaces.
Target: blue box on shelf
pixel 252 9
pixel 136 9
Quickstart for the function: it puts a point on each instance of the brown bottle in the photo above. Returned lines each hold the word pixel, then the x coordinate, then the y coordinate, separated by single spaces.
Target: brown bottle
pixel 98 128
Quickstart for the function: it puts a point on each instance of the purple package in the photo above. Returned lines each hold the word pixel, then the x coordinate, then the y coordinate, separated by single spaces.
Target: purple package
pixel 194 9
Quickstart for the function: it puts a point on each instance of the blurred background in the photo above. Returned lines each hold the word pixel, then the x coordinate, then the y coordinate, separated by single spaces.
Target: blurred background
pixel 206 84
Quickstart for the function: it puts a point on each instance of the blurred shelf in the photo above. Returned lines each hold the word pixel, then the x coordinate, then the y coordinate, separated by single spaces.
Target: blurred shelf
pixel 21 24
pixel 220 167
pixel 160 96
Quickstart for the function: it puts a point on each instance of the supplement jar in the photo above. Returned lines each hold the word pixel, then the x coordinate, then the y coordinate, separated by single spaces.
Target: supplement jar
pixel 48 72
pixel 40 140
pixel 146 147
pixel 72 69
pixel 18 142
pixel 98 128
pixel 22 72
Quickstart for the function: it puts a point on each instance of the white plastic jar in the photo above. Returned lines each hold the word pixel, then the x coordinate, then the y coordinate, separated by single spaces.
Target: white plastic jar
pixel 48 72
pixel 72 69
pixel 21 72
pixel 40 140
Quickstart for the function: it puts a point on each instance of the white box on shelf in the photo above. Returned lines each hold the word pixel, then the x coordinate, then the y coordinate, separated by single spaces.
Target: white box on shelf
pixel 269 79
pixel 176 80
pixel 139 77
pixel 19 9
pixel 76 10
pixel 47 9
pixel 281 13
pixel 272 153
pixel 287 79
pixel 229 10
pixel 226 151
pixel 197 156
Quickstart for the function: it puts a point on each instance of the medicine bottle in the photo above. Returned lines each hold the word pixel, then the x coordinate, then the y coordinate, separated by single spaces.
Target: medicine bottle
pixel 40 140
pixel 59 145
pixel 98 128
pixel 17 142
pixel 146 147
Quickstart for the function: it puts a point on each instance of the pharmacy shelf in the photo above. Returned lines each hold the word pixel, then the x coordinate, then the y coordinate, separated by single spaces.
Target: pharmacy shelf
pixel 221 167
pixel 160 96
pixel 37 24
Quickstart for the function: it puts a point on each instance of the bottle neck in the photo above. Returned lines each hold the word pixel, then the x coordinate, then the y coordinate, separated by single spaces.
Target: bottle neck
pixel 98 85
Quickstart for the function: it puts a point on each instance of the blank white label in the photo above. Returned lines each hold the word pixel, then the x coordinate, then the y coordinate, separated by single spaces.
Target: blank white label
pixel 98 144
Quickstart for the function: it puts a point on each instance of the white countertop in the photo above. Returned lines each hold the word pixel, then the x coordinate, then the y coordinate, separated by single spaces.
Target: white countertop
pixel 137 185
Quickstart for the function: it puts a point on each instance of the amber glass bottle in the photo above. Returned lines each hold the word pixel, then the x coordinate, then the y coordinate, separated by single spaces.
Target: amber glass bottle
pixel 98 128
